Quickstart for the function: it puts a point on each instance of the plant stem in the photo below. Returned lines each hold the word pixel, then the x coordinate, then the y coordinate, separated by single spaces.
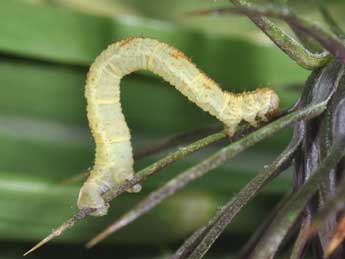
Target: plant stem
pixel 201 168
pixel 176 140
pixel 254 239
pixel 228 212
pixel 334 45
pixel 205 166
pixel 335 28
pixel 290 46
pixel 331 207
pixel 140 176
pixel 62 228
pixel 169 159
pixel 270 242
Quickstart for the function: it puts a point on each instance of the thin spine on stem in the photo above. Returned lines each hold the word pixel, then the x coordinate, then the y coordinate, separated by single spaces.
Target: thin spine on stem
pixel 114 158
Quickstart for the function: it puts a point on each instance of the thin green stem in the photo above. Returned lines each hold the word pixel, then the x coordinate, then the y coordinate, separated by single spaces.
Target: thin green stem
pixel 240 145
pixel 62 228
pixel 331 43
pixel 198 171
pixel 290 46
pixel 335 28
pixel 269 244
pixel 201 168
pixel 225 215
pixel 139 177
pixel 169 159
pixel 216 225
pixel 337 238
pixel 302 239
pixel 331 207
pixel 254 239
pixel 178 139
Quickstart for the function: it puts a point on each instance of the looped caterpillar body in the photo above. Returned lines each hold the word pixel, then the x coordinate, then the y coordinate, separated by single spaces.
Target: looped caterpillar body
pixel 114 159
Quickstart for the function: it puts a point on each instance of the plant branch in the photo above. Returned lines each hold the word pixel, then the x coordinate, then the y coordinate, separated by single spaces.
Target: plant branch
pixel 217 225
pixel 200 169
pixel 139 177
pixel 302 239
pixel 331 207
pixel 269 244
pixel 62 228
pixel 148 203
pixel 164 162
pixel 176 140
pixel 228 212
pixel 331 43
pixel 288 44
pixel 165 144
pixel 254 239
pixel 205 166
pixel 335 28
pixel 337 238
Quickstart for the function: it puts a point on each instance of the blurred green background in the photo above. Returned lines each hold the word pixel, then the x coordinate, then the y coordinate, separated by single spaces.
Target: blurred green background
pixel 46 47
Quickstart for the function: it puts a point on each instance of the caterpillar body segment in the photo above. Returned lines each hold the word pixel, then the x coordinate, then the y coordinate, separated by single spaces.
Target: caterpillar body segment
pixel 114 158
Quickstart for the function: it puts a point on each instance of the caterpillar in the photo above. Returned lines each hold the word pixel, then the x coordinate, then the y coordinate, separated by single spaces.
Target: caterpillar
pixel 114 160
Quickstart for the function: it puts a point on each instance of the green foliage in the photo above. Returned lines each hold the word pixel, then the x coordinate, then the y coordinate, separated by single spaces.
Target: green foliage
pixel 45 52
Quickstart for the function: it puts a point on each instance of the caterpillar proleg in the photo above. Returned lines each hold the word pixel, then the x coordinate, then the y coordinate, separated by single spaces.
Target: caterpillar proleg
pixel 114 158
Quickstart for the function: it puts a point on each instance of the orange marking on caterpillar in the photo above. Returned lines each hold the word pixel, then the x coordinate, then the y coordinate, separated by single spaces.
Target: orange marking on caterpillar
pixel 178 54
pixel 126 41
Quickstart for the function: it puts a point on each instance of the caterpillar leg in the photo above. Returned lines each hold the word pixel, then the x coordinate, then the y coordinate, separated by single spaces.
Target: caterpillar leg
pixel 90 196
pixel 123 177
pixel 263 117
pixel 230 129
pixel 91 193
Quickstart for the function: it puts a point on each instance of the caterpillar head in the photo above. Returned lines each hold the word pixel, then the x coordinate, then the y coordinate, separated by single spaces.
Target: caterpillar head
pixel 267 101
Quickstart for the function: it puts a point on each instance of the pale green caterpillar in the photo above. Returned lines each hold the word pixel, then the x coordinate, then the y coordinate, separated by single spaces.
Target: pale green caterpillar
pixel 114 158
